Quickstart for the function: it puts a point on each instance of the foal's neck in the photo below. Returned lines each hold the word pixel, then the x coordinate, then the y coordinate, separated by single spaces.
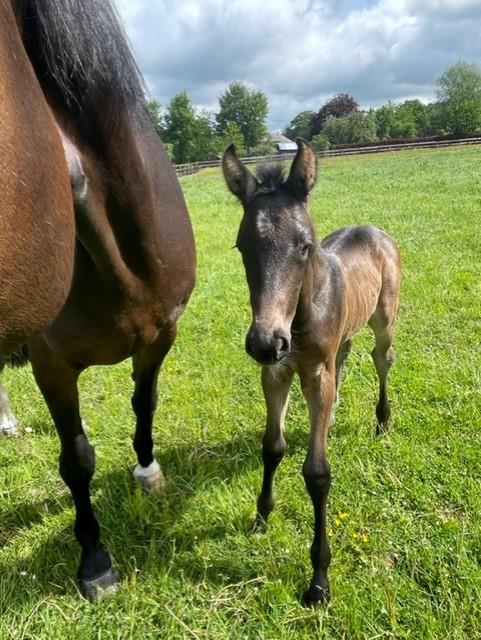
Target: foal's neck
pixel 314 281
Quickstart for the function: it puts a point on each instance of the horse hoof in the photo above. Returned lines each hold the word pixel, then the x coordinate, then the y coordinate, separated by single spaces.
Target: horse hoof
pixel 315 596
pixel 150 478
pixel 9 425
pixel 104 585
pixel 260 525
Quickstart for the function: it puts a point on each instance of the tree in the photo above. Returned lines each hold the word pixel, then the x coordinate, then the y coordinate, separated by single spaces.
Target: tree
pixel 320 142
pixel 231 135
pixel 360 127
pixel 205 143
pixel 357 126
pixel 385 120
pixel 155 114
pixel 300 126
pixel 180 127
pixel 410 119
pixel 460 93
pixel 340 105
pixel 246 108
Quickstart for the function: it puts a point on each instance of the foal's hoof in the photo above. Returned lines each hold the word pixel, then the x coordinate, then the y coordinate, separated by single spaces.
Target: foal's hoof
pixel 315 596
pixel 151 478
pixel 259 525
pixel 382 428
pixel 99 587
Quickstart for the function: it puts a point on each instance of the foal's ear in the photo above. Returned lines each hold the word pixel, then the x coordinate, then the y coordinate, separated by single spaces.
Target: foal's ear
pixel 303 173
pixel 239 179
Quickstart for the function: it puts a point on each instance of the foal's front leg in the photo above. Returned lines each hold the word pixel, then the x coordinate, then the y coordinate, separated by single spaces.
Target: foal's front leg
pixel 319 390
pixel 276 383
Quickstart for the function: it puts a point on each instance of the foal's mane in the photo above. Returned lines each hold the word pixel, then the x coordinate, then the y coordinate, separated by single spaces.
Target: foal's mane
pixel 82 56
pixel 271 177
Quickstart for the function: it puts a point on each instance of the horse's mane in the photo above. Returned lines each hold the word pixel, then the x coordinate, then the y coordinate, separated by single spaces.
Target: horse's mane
pixel 80 52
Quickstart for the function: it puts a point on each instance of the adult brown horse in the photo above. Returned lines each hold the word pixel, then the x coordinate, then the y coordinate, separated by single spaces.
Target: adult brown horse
pixel 134 255
pixel 307 301
pixel 36 213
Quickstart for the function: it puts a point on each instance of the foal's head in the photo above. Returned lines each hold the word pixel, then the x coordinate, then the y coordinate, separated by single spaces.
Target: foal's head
pixel 275 239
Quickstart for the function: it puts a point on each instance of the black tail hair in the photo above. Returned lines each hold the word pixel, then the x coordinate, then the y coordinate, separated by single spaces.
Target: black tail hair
pixel 19 358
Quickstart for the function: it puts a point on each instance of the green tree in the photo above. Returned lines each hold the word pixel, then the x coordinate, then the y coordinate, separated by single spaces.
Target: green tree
pixel 155 115
pixel 300 126
pixel 360 127
pixel 180 128
pixel 205 143
pixel 246 108
pixel 231 135
pixel 385 117
pixel 409 119
pixel 460 93
pixel 340 105
pixel 320 142
pixel 357 126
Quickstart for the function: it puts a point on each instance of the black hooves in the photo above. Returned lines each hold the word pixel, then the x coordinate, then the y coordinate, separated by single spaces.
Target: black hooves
pixel 103 585
pixel 315 596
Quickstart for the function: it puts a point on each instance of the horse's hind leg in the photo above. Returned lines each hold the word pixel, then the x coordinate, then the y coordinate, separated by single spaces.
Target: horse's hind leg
pixel 58 383
pixel 383 357
pixel 147 363
pixel 276 384
pixel 8 422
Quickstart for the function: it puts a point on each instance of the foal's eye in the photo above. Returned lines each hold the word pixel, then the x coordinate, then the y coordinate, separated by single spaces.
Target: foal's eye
pixel 305 249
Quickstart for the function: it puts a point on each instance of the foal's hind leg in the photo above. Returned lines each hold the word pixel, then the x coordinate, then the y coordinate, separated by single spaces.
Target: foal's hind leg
pixel 275 384
pixel 58 383
pixel 147 363
pixel 383 357
pixel 342 353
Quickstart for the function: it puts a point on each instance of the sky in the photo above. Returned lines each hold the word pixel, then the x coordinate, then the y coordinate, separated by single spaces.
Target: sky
pixel 300 52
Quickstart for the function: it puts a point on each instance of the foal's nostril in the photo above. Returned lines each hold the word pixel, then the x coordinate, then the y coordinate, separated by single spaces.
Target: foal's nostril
pixel 282 345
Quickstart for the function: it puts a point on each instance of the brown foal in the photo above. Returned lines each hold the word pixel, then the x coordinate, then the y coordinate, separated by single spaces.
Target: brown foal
pixel 308 300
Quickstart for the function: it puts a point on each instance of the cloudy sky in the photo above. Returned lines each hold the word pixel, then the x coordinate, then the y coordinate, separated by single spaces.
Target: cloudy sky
pixel 300 52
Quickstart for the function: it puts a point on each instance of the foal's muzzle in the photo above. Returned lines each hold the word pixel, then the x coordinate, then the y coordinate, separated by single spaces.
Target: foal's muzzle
pixel 267 347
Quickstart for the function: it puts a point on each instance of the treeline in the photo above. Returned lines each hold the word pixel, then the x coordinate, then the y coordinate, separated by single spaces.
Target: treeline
pixel 191 134
pixel 339 121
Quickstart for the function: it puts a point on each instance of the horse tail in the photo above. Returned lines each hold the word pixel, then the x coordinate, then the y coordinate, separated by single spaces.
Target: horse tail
pixel 19 358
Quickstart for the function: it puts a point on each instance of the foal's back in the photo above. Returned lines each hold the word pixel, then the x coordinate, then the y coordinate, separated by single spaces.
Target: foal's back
pixel 370 262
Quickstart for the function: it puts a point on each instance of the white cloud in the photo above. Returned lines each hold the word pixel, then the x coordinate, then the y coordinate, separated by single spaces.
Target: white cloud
pixel 300 52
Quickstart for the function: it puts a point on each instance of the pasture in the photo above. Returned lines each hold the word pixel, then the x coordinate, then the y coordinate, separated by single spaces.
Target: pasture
pixel 404 509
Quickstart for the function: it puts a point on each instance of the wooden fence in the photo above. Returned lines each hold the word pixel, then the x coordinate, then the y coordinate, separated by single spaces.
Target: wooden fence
pixel 194 167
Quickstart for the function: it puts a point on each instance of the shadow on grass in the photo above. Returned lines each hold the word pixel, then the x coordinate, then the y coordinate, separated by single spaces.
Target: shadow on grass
pixel 140 529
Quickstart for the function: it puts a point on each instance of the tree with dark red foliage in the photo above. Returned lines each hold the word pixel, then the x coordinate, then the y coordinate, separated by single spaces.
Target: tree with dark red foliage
pixel 340 105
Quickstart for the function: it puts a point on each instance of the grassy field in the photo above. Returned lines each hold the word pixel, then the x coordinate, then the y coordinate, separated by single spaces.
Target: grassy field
pixel 404 510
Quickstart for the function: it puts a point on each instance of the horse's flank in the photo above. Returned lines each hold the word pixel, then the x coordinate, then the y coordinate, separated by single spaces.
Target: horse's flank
pixel 36 213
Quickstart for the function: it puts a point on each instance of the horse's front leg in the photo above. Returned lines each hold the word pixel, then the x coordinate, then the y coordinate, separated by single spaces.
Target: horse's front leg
pixel 147 363
pixel 319 389
pixel 276 383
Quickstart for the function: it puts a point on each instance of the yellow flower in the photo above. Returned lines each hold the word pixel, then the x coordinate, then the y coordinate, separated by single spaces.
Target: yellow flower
pixel 342 515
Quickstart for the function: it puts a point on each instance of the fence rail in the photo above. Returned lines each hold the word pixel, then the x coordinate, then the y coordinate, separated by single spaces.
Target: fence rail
pixel 194 167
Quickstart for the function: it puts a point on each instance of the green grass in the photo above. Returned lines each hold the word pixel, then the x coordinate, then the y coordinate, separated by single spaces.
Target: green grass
pixel 406 559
